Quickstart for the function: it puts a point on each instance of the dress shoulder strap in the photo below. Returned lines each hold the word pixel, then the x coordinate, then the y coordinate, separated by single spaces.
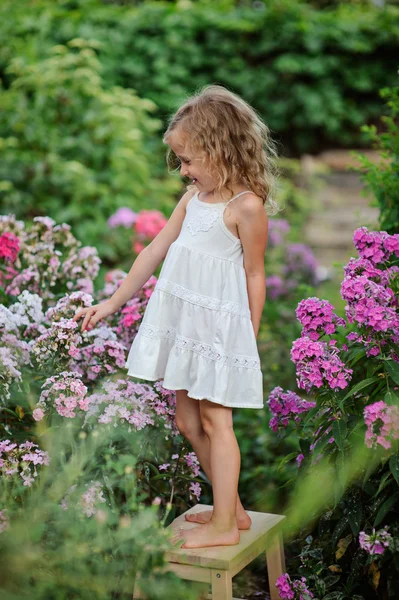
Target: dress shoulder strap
pixel 236 196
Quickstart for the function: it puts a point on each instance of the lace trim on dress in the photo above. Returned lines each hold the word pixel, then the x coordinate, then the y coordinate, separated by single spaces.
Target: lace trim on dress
pixel 204 221
pixel 231 360
pixel 201 299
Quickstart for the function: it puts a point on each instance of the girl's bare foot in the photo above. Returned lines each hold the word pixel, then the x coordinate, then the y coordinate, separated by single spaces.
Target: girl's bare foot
pixel 208 535
pixel 243 520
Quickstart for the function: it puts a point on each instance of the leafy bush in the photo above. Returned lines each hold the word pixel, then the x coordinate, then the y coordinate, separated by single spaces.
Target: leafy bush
pixel 324 66
pixel 75 150
pixel 350 369
pixel 382 179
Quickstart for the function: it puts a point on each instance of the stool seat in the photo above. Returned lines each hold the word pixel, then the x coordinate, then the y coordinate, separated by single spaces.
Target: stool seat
pixel 217 565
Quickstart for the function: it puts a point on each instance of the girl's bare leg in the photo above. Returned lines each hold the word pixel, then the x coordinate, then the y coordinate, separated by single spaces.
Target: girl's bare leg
pixel 188 420
pixel 221 529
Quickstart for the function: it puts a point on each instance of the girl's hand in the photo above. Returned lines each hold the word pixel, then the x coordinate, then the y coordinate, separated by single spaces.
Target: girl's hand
pixel 95 313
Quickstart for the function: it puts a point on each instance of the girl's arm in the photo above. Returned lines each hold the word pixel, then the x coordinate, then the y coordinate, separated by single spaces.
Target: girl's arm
pixel 152 255
pixel 142 269
pixel 252 225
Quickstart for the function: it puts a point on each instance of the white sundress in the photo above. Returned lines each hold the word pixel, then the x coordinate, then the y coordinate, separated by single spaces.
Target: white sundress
pixel 196 333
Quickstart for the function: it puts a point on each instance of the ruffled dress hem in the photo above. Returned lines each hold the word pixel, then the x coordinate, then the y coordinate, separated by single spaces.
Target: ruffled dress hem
pixel 173 388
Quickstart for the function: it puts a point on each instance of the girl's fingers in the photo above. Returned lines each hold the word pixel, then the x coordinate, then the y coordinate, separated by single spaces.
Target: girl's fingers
pixel 88 316
pixel 79 314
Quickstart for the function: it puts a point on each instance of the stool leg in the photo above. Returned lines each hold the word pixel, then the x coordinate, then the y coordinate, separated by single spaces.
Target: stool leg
pixel 275 564
pixel 222 585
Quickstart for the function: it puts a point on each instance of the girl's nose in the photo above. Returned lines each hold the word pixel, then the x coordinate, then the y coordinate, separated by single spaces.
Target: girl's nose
pixel 183 171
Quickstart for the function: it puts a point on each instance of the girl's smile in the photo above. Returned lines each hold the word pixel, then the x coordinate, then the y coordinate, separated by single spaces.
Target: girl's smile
pixel 191 166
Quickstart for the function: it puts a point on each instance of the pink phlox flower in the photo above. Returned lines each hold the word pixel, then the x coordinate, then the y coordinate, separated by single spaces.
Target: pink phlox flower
pixel 149 223
pixel 376 542
pixel 124 217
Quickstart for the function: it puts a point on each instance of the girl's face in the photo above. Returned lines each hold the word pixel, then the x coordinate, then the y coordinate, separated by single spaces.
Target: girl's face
pixel 190 165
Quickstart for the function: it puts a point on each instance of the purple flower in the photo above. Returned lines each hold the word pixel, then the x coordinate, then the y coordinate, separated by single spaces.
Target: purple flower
pixel 301 263
pixel 375 246
pixel 299 459
pixel 370 304
pixel 277 230
pixel 382 424
pixel 124 217
pixel 317 317
pixel 377 542
pixel 277 287
pixel 293 590
pixel 285 406
pixel 318 364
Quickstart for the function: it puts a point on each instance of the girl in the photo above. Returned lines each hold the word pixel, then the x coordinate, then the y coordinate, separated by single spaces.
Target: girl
pixel 199 329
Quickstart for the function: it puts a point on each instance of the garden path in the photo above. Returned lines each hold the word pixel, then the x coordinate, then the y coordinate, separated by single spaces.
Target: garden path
pixel 340 207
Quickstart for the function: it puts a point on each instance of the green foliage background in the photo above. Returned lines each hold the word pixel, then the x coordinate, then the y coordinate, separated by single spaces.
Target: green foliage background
pixel 312 74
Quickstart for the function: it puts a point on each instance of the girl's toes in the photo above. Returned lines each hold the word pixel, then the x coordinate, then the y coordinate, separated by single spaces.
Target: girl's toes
pixel 191 517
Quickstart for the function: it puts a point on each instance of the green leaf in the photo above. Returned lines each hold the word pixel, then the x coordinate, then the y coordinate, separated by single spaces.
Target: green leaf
pixel 334 596
pixel 286 459
pixel 355 355
pixel 355 518
pixel 383 483
pixel 361 385
pixel 339 432
pixel 330 580
pixel 385 508
pixel 391 398
pixel 393 370
pixel 394 466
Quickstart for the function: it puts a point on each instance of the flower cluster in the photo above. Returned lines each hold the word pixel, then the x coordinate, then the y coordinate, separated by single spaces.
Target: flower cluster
pixel 10 372
pixel 376 542
pixel 124 217
pixel 278 229
pixel 382 424
pixel 39 267
pixel 91 497
pixel 191 468
pixel 68 305
pixel 65 393
pixel 81 268
pixel 137 404
pixel 286 406
pixel 10 245
pixel 376 246
pixel 88 501
pixel 279 287
pixel 21 460
pixel 293 590
pixel 121 401
pixel 40 258
pixel 58 345
pixel 370 304
pixel 147 225
pixel 28 310
pixel 317 364
pixel 101 358
pixel 301 263
pixel 113 280
pixel 317 317
pixel 362 266
pixel 133 311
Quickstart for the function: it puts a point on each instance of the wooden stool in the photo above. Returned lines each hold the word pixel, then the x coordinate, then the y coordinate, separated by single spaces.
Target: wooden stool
pixel 217 565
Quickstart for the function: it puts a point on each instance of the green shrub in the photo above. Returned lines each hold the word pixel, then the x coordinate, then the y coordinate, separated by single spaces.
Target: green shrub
pixel 382 179
pixel 312 74
pixel 76 151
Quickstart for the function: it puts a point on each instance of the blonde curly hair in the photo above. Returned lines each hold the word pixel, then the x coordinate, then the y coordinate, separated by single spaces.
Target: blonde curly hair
pixel 231 138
